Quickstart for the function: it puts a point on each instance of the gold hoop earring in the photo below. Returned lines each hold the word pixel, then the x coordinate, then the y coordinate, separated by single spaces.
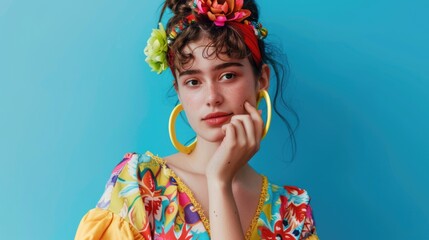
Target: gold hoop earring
pixel 172 131
pixel 264 94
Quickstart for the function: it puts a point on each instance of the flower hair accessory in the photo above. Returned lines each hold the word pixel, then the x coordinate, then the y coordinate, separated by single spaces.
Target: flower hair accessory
pixel 259 31
pixel 219 13
pixel 175 30
pixel 156 50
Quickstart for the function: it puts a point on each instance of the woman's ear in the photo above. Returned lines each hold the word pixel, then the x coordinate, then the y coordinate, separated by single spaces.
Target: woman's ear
pixel 264 79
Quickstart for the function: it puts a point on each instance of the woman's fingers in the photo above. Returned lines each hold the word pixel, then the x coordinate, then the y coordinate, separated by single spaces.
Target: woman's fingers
pixel 252 124
pixel 244 133
pixel 247 134
pixel 242 136
pixel 245 130
pixel 257 119
pixel 229 132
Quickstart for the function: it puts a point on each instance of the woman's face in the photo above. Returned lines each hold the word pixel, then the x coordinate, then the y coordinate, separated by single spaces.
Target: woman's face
pixel 212 89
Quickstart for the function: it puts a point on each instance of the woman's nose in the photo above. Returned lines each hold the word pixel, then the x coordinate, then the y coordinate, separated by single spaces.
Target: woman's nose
pixel 214 95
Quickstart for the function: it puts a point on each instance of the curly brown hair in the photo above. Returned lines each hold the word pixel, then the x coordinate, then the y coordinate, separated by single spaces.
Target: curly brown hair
pixel 225 40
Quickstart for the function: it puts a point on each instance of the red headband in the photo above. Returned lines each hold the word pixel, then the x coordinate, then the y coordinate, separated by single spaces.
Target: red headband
pixel 249 37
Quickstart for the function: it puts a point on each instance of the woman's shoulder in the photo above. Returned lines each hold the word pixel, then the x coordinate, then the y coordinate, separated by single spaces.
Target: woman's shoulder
pixel 133 170
pixel 138 161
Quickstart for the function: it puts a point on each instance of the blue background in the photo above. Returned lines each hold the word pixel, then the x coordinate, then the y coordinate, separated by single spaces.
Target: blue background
pixel 76 95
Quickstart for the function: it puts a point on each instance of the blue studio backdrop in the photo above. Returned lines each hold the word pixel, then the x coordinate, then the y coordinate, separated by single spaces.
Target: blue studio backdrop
pixel 76 95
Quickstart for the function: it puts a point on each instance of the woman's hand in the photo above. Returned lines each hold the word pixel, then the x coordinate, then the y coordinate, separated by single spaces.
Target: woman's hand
pixel 242 139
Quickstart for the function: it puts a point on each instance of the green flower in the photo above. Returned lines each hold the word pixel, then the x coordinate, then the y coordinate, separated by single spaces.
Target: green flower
pixel 156 50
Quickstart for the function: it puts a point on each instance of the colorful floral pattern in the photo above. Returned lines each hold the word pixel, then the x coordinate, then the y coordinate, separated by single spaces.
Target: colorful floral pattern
pixel 149 196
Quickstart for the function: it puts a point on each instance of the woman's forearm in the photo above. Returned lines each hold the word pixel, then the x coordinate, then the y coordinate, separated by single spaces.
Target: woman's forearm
pixel 224 217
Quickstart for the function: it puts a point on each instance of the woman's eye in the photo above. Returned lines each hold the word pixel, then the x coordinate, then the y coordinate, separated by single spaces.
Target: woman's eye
pixel 228 76
pixel 192 82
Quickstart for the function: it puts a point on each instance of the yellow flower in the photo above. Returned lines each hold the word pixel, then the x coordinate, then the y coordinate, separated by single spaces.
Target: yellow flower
pixel 156 50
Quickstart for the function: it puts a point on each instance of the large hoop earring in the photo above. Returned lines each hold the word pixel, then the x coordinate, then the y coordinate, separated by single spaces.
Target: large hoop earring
pixel 264 94
pixel 172 131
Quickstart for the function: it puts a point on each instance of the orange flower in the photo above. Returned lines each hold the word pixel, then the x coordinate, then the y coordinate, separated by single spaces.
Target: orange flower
pixel 221 11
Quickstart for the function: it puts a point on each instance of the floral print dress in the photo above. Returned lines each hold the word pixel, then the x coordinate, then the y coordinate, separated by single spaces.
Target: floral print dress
pixel 145 199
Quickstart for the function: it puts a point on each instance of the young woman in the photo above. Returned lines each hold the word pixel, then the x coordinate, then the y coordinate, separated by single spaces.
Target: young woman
pixel 216 53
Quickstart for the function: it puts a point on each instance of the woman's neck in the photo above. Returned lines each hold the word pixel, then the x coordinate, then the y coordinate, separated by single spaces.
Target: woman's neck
pixel 199 158
pixel 201 155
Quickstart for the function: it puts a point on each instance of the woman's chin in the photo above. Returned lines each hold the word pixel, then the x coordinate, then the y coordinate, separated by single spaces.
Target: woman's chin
pixel 213 137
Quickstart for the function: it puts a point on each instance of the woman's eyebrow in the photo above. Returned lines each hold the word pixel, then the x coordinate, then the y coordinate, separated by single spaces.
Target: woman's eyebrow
pixel 189 72
pixel 215 68
pixel 227 64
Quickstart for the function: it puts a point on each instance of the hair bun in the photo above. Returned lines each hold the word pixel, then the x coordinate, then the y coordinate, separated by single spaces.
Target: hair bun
pixel 180 7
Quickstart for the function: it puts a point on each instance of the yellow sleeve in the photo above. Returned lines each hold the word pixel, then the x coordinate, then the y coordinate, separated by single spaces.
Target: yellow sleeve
pixel 121 212
pixel 103 224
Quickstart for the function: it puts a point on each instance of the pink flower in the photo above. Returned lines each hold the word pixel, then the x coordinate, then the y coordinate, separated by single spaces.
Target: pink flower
pixel 221 11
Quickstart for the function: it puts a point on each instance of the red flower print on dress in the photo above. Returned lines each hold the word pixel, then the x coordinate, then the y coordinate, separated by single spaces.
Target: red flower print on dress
pixel 151 197
pixel 278 233
pixel 290 210
pixel 170 235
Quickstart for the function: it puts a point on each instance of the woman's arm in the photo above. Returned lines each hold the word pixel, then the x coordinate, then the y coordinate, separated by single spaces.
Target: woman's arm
pixel 241 142
pixel 224 218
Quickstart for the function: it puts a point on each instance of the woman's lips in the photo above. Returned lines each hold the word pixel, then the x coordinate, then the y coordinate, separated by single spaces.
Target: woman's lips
pixel 217 118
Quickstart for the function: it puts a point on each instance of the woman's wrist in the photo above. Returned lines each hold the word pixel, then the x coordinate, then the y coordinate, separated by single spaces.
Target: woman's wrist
pixel 218 182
